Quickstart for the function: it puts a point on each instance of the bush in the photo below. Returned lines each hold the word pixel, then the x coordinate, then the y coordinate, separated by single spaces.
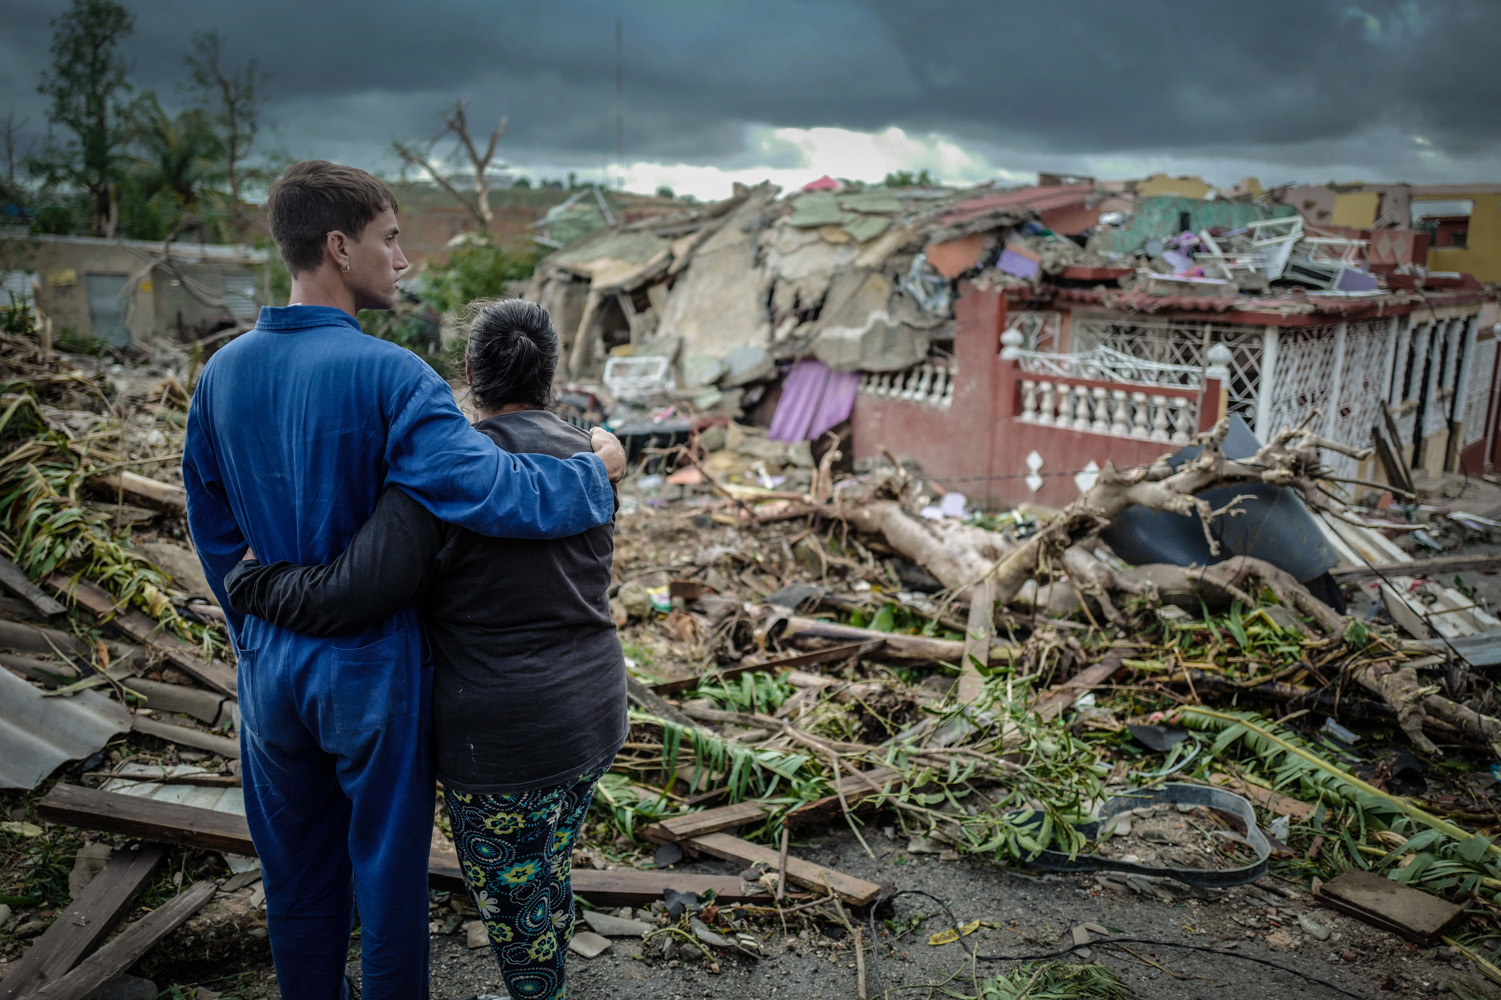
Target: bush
pixel 480 271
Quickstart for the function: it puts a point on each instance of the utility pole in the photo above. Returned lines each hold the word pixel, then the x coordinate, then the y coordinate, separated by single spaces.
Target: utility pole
pixel 620 102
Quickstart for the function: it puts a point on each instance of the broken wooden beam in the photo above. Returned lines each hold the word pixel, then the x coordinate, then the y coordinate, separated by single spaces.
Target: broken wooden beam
pixel 147 631
pixel 852 890
pixel 831 655
pixel 13 579
pixel 914 648
pixel 1474 563
pixel 82 924
pixel 708 821
pixel 91 809
pixel 125 950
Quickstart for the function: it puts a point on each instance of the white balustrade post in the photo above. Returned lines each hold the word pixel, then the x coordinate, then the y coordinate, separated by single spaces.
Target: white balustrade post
pixel 1139 426
pixel 1046 410
pixel 1101 422
pixel 1159 419
pixel 1182 420
pixel 1081 408
pixel 1119 425
pixel 1029 400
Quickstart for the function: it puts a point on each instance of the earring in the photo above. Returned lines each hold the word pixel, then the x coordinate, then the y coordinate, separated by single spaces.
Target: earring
pixel 345 268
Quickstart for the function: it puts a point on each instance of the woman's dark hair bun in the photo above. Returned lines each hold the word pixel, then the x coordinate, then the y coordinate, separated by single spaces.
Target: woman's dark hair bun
pixel 512 353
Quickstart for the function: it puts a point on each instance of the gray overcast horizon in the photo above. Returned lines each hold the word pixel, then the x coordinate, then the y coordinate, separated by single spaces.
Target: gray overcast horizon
pixel 1285 90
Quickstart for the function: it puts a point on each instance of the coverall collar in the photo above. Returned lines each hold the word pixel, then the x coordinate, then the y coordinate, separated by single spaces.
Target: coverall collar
pixel 288 318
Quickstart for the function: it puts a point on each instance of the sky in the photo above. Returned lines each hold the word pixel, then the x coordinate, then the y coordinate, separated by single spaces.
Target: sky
pixel 720 91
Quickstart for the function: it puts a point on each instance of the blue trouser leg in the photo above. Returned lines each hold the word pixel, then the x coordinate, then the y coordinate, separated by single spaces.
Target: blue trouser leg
pixel 339 799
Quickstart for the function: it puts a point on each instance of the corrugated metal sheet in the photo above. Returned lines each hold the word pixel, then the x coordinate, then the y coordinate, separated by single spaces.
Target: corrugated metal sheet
pixel 38 735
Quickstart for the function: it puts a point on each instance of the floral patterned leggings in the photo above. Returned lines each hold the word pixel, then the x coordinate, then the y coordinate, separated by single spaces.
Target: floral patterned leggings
pixel 517 853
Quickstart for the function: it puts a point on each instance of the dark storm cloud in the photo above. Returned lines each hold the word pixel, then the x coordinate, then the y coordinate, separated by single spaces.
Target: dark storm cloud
pixel 1288 81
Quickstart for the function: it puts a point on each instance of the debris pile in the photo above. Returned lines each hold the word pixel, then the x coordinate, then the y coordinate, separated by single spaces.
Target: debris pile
pixel 811 646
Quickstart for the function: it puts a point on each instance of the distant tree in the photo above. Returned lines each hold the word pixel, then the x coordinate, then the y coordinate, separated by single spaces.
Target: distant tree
pixel 88 84
pixel 906 178
pixel 523 182
pixel 663 191
pixel 14 149
pixel 455 123
pixel 178 173
pixel 231 96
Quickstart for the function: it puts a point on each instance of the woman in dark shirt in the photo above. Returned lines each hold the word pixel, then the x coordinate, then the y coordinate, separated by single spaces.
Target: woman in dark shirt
pixel 529 698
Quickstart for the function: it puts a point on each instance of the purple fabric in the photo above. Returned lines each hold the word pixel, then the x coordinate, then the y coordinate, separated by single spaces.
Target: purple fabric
pixel 814 399
pixel 1014 263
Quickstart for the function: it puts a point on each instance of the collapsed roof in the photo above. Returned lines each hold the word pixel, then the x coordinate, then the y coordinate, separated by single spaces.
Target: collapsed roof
pixel 859 278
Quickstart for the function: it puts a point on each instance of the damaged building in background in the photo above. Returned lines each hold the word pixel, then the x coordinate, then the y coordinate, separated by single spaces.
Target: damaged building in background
pixel 1004 338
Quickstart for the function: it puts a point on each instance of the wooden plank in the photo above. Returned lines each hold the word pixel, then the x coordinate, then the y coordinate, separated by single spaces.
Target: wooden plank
pixel 186 736
pixel 852 890
pixel 857 791
pixel 707 821
pixel 1474 563
pixel 13 579
pixel 91 809
pixel 831 655
pixel 145 630
pixel 620 887
pixel 83 923
pixel 165 822
pixel 1055 699
pixel 977 641
pixel 125 950
pixel 1377 900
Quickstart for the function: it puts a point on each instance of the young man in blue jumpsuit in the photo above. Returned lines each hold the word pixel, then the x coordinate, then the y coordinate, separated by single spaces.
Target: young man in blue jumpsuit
pixel 295 429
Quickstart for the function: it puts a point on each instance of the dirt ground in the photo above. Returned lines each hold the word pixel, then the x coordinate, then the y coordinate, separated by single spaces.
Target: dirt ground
pixel 1033 914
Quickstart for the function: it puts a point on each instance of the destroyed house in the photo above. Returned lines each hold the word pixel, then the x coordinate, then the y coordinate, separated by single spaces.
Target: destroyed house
pixel 1013 342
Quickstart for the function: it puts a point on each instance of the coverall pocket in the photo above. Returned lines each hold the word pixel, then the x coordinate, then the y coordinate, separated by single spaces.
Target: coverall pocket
pixel 369 684
pixel 245 685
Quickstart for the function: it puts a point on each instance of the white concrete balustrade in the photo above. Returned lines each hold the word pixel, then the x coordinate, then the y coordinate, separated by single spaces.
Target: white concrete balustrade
pixel 930 384
pixel 1124 413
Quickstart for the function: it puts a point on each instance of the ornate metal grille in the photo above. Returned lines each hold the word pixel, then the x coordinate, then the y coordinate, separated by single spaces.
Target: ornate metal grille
pixel 1179 342
pixel 1478 390
pixel 1304 377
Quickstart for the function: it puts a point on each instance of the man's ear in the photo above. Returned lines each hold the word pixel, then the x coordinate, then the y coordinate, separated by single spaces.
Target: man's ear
pixel 336 249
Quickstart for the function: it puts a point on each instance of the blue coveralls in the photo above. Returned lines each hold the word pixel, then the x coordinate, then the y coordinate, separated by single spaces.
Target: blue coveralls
pixel 294 430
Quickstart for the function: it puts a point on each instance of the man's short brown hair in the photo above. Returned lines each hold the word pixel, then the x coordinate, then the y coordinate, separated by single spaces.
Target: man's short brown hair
pixel 315 197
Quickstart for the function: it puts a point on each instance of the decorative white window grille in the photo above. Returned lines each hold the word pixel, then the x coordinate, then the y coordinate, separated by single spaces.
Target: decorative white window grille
pixel 1106 364
pixel 1303 379
pixel 1478 390
pixel 1358 400
pixel 1179 342
pixel 1440 378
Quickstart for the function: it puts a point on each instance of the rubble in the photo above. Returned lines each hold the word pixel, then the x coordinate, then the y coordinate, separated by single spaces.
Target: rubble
pixel 811 644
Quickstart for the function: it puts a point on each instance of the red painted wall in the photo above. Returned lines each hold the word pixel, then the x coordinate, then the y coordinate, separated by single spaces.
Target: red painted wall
pixel 976 446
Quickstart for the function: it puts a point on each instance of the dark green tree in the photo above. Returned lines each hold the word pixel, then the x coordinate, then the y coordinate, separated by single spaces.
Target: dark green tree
pixel 906 178
pixel 176 180
pixel 91 100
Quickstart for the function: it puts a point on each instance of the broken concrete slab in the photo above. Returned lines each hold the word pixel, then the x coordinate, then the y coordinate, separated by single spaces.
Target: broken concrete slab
pixel 475 934
pixel 952 258
pixel 720 301
pixel 588 944
pixel 608 926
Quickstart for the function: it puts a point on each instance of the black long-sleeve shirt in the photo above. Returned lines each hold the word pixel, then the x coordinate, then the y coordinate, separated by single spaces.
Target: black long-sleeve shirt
pixel 529 679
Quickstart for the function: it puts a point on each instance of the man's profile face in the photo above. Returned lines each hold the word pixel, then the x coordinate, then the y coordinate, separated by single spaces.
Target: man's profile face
pixel 375 262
